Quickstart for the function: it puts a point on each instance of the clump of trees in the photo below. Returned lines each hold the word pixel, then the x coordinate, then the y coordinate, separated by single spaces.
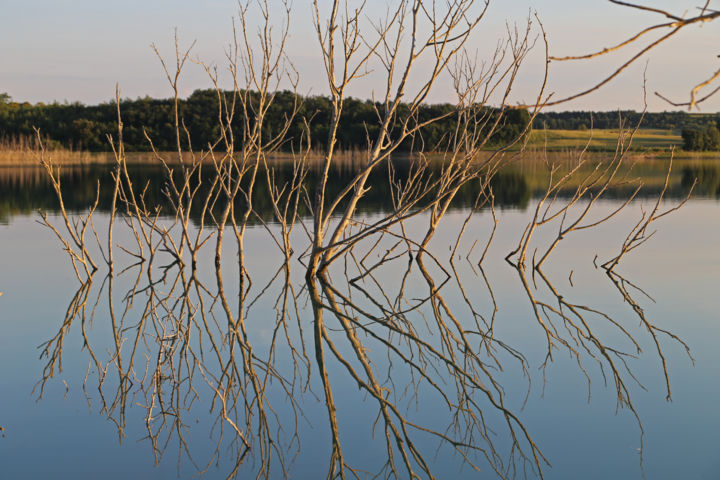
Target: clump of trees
pixel 702 139
pixel 78 126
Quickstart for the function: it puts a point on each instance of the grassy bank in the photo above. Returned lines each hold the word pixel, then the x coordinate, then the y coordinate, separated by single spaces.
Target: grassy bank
pixel 652 140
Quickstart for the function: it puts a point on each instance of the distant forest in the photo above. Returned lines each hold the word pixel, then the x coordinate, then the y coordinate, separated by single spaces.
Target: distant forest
pixel 580 120
pixel 79 126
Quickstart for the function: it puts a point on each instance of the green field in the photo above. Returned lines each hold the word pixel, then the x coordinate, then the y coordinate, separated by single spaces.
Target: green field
pixel 644 139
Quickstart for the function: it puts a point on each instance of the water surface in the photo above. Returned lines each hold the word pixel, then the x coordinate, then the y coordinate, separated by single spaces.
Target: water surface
pixel 484 372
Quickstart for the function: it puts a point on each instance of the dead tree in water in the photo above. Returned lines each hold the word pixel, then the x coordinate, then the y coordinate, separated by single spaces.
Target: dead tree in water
pixel 74 239
pixel 196 343
pixel 413 32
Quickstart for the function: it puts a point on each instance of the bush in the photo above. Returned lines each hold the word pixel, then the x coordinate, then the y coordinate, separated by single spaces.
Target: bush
pixel 707 139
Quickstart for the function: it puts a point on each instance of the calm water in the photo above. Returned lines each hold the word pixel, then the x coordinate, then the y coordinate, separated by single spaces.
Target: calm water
pixel 123 376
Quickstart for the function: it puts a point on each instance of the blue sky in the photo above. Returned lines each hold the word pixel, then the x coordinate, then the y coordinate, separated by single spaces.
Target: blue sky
pixel 77 50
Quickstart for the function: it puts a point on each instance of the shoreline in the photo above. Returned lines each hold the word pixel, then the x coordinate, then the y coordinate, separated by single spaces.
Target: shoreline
pixel 10 159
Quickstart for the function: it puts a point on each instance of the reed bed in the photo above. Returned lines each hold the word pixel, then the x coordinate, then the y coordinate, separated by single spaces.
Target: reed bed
pixel 23 151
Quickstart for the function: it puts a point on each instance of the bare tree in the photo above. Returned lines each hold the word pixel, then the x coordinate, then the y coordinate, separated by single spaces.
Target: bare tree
pixel 191 338
pixel 411 33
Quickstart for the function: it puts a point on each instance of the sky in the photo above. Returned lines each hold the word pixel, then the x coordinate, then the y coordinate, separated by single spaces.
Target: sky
pixel 78 50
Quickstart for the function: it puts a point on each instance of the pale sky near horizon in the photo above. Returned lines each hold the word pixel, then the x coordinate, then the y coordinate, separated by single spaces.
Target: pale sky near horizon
pixel 77 50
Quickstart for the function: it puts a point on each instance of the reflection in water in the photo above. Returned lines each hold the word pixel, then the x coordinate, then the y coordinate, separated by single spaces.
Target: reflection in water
pixel 399 355
pixel 708 179
pixel 373 351
pixel 25 190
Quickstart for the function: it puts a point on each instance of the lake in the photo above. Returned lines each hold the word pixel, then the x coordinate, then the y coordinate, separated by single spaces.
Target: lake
pixel 392 365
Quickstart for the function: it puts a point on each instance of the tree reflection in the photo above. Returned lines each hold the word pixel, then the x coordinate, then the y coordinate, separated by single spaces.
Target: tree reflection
pixel 424 354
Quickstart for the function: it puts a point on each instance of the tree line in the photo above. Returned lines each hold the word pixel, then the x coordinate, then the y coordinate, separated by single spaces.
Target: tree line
pixel 582 120
pixel 85 127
